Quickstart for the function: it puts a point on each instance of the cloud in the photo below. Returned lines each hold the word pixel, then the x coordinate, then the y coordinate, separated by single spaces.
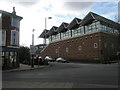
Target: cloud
pixel 26 4
pixel 103 7
pixel 78 5
pixel 111 16
pixel 106 9
pixel 91 0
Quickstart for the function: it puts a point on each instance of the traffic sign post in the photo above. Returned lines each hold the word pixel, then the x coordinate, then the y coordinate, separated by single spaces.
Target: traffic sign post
pixel 32 52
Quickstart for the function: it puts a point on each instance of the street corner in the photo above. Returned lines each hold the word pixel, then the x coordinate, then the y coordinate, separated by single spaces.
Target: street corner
pixel 22 68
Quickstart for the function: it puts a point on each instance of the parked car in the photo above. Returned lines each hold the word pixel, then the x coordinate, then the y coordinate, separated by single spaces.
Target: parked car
pixel 49 58
pixel 25 62
pixel 62 60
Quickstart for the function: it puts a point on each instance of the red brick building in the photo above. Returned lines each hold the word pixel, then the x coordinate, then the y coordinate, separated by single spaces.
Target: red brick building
pixel 9 38
pixel 94 38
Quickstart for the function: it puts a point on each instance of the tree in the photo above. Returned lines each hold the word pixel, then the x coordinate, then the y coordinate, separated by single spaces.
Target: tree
pixel 24 55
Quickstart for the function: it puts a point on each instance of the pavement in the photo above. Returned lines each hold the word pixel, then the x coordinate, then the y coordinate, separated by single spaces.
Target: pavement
pixel 24 67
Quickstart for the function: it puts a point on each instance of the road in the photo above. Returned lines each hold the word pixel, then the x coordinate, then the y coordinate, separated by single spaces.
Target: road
pixel 64 75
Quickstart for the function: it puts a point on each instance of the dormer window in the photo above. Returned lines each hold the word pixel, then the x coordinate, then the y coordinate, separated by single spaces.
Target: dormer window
pixel 15 22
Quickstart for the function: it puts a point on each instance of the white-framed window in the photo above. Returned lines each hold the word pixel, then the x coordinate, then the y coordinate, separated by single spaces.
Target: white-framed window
pixel 80 48
pixel 95 45
pixel 14 37
pixel 67 50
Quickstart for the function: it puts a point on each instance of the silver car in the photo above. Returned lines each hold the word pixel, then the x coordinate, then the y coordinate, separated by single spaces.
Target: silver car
pixel 62 60
pixel 48 58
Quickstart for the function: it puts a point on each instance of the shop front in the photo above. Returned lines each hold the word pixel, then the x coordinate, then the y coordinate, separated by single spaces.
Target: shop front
pixel 10 58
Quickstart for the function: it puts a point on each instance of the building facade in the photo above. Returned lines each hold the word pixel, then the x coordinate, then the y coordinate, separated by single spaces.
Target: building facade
pixel 94 38
pixel 9 38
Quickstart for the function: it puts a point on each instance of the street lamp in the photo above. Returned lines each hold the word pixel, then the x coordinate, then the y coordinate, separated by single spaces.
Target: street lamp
pixel 46 26
pixel 32 49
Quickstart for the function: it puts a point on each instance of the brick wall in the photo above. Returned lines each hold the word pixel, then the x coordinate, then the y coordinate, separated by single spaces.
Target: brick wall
pixel 86 47
pixel 110 45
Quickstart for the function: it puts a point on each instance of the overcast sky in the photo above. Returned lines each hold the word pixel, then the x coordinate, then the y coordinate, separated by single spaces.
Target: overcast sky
pixel 35 11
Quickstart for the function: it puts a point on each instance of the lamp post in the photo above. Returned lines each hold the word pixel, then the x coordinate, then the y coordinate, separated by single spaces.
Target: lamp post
pixel 46 26
pixel 32 50
pixel 33 37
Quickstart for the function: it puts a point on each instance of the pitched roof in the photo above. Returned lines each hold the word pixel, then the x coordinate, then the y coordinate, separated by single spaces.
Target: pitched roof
pixel 44 34
pixel 62 27
pixel 74 23
pixel 87 19
pixel 52 31
pixel 92 16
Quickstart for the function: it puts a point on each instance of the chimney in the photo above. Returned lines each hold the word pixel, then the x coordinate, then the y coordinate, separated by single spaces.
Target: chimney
pixel 14 11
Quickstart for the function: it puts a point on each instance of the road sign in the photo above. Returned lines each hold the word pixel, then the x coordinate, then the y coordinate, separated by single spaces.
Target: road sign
pixel 32 49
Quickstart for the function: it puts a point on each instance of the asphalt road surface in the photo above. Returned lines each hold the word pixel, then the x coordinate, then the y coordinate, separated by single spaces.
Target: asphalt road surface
pixel 64 75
